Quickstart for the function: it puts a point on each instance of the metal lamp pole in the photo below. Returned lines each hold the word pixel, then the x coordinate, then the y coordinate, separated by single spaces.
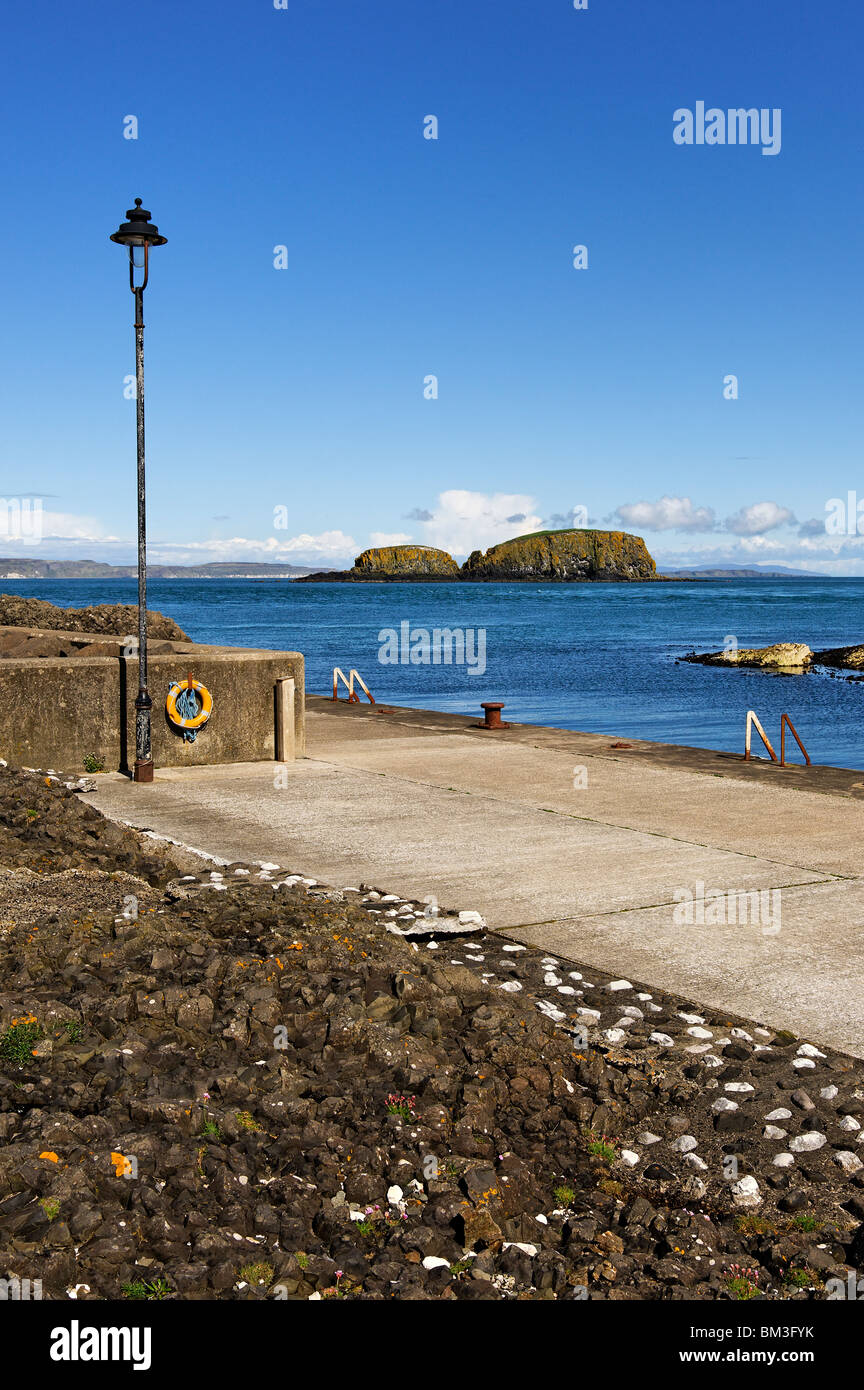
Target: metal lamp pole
pixel 139 234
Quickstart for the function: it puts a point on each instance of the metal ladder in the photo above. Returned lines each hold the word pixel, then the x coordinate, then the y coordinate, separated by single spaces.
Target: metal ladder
pixel 752 719
pixel 353 697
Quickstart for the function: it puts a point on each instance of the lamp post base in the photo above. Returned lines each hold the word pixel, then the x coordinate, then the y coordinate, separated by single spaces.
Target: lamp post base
pixel 142 772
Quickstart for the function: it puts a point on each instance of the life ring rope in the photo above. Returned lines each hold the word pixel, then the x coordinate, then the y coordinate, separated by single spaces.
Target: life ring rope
pixel 182 707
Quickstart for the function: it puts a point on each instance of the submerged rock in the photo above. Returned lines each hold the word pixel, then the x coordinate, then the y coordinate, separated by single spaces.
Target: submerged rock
pixel 846 658
pixel 782 656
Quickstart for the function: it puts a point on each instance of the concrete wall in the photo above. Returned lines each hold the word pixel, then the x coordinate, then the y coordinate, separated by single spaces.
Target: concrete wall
pixel 56 710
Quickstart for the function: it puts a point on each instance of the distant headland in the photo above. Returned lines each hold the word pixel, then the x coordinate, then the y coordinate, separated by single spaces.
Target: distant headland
pixel 569 556
pixel 99 569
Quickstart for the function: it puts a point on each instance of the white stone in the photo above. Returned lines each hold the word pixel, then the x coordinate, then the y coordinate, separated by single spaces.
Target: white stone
pixel 828 1092
pixel 783 1160
pixel 435 1262
pixel 849 1122
pixel 511 986
pixel 772 1132
pixel 849 1162
pixel 663 1039
pixel 543 1219
pixel 806 1143
pixel 741 1088
pixel 395 1195
pixel 589 1013
pixel 700 1033
pixel 742 1034
pixel 614 1035
pixel 514 948
pixel 685 1144
pixel 550 1011
pixel 780 1114
pixel 646 1138
pixel 803 1064
pixel 745 1192
pixel 551 979
pixel 629 1158
pixel 723 1104
pixel 695 1161
pixel 573 975
pixel 692 1018
pixel 619 984
pixel 808 1050
pixel 472 917
pixel 520 1245
pixel 566 989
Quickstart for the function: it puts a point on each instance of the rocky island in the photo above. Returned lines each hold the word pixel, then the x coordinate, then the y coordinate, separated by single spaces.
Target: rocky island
pixel 543 556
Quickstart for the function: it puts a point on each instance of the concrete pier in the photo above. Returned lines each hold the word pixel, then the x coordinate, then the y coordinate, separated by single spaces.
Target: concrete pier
pixel 567 842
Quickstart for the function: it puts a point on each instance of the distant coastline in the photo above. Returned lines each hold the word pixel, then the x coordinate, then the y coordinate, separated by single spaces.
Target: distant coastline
pixel 96 569
pixel 25 569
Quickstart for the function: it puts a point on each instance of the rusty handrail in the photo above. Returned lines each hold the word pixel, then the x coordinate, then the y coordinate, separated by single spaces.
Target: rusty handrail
pixel 783 722
pixel 752 719
pixel 353 697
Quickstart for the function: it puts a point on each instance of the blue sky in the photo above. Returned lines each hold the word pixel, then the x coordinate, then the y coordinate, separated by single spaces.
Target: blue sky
pixel 408 257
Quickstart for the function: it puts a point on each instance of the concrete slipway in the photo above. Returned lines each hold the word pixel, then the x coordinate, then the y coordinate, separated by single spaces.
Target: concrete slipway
pixel 418 803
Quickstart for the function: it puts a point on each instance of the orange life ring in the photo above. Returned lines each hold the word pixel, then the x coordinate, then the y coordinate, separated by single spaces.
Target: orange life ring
pixel 204 712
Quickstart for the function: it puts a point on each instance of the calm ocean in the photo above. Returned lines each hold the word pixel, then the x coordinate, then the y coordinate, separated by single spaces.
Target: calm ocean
pixel 599 657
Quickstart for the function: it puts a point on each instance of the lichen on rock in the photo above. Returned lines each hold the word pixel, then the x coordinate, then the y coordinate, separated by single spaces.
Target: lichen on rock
pixel 394 560
pixel 564 555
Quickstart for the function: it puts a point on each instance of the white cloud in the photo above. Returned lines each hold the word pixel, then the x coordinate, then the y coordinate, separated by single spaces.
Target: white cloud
pixel 761 517
pixel 669 514
pixel 329 547
pixel 24 522
pixel 377 538
pixel 823 555
pixel 463 521
pixel 80 538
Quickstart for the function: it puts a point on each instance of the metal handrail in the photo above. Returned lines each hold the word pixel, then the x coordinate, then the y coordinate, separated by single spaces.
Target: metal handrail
pixel 783 722
pixel 752 719
pixel 353 697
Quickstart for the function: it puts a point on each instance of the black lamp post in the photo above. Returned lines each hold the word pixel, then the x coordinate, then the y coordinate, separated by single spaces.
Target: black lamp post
pixel 139 234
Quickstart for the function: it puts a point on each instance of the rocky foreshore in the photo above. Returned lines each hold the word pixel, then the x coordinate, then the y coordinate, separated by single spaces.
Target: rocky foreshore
pixel 230 1081
pixel 108 619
